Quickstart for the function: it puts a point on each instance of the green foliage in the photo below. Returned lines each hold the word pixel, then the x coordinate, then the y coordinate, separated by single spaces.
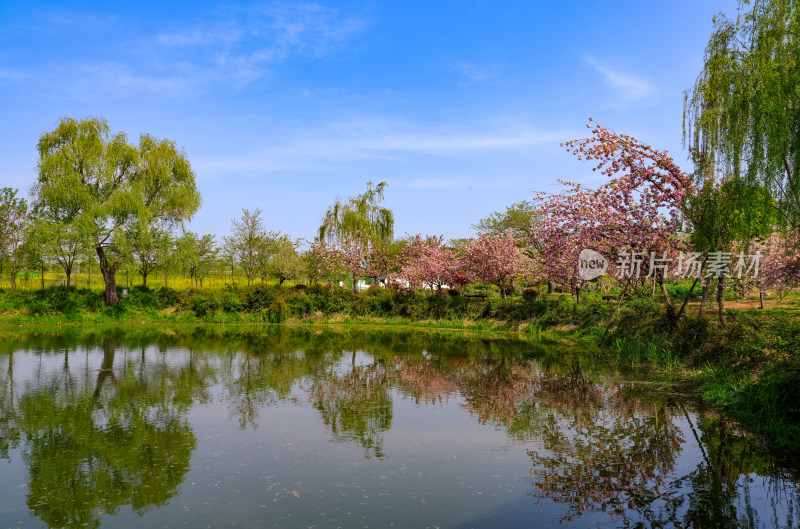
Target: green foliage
pixel 743 112
pixel 111 193
pixel 257 298
pixel 277 311
pixel 360 218
pixel 519 217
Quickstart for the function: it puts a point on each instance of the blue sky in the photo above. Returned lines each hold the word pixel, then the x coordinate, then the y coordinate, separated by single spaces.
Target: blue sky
pixel 459 105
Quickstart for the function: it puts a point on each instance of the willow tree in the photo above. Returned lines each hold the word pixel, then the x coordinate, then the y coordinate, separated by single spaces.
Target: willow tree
pixel 361 218
pixel 361 227
pixel 742 116
pixel 110 191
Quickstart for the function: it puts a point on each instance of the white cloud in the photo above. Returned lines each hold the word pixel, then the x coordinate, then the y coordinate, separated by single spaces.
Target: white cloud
pixel 255 37
pixel 345 142
pixel 471 72
pixel 630 89
pixel 199 37
pixel 245 45
pixel 119 80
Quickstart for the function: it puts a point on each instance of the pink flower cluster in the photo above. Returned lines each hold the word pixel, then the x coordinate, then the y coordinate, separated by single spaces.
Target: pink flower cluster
pixel 638 210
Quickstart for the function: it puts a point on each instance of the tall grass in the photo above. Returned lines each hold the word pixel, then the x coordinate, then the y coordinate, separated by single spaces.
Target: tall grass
pixel 658 351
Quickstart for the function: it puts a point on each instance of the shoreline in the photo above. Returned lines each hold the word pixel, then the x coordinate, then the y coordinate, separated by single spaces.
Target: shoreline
pixel 752 395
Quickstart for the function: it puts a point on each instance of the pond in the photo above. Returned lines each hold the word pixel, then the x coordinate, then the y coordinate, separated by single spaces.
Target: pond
pixel 277 427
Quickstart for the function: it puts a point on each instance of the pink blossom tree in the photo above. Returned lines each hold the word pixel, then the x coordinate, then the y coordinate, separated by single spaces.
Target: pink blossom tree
pixel 427 261
pixel 638 210
pixel 323 260
pixel 779 265
pixel 497 260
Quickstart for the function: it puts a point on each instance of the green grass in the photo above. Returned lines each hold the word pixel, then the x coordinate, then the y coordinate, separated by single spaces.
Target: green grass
pixel 658 352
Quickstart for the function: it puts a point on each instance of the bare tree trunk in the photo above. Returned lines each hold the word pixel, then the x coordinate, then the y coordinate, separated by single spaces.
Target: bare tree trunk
pixel 761 297
pixel 703 301
pixel 110 280
pixel 109 272
pixel 664 287
pixel 685 301
pixel 721 300
pixel 43 276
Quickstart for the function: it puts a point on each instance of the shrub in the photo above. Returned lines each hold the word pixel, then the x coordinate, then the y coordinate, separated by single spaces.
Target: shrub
pixel 302 305
pixel 277 311
pixel 257 298
pixel 529 294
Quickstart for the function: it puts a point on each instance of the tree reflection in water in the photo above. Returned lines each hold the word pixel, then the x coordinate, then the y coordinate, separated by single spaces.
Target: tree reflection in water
pixel 97 438
pixel 355 405
pixel 610 450
pixel 92 446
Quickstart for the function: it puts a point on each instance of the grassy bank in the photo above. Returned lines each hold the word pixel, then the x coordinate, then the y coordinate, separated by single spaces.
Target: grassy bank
pixel 750 366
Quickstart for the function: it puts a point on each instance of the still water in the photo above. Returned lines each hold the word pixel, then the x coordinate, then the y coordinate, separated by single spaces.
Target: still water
pixel 276 427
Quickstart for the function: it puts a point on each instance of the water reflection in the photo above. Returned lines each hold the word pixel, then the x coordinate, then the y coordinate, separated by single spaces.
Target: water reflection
pixel 96 441
pixel 102 421
pixel 355 405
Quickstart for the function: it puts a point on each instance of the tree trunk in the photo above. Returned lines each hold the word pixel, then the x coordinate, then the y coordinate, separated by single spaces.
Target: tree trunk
pixel 109 272
pixel 110 279
pixel 68 271
pixel 144 278
pixel 721 300
pixel 703 300
pixel 761 298
pixel 664 287
pixel 43 277
pixel 616 309
pixel 685 301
